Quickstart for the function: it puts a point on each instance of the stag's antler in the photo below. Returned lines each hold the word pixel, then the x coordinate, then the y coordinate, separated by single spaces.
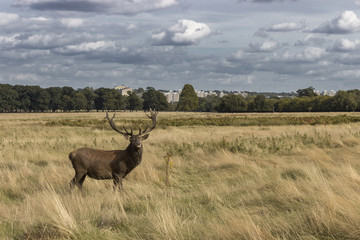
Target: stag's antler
pixel 153 116
pixel 112 124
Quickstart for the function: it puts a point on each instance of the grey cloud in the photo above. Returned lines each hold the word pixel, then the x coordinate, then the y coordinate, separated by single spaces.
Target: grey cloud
pixel 284 27
pixel 266 1
pixel 310 39
pixel 265 46
pixel 261 34
pixel 99 6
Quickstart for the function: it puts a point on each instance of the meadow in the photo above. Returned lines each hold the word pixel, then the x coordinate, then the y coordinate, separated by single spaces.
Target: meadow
pixel 230 176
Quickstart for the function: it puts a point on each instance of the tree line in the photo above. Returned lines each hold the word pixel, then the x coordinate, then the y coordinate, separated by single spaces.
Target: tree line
pixel 20 98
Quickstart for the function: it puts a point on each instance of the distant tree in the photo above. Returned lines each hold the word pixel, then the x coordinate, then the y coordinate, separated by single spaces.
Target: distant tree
pixel 68 98
pixel 90 97
pixel 23 100
pixel 345 101
pixel 155 100
pixel 69 91
pixel 68 103
pixel 232 103
pixel 133 102
pixel 188 100
pixel 80 101
pixel 306 92
pixel 208 103
pixel 34 95
pixel 8 98
pixel 259 103
pixel 43 100
pixel 108 99
pixel 282 105
pixel 55 102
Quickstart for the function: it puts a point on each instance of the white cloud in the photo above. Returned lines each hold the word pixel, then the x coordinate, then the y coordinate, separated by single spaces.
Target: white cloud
pixel 72 22
pixel 87 47
pixel 284 27
pixel 346 45
pixel 347 22
pixel 185 32
pixel 40 19
pixel 310 54
pixel 6 18
pixel 265 46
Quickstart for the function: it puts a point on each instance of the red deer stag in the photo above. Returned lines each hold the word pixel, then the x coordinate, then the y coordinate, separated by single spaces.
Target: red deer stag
pixel 116 164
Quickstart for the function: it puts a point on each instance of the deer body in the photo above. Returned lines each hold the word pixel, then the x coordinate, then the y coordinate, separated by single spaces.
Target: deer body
pixel 116 164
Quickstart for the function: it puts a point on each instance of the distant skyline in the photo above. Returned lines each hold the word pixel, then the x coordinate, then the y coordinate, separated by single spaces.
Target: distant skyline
pixel 234 45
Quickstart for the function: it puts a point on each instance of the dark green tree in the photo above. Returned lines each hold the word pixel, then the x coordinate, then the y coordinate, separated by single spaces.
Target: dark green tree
pixel 155 100
pixel 188 100
pixel 108 99
pixel 55 102
pixel 232 103
pixel 8 98
pixel 23 101
pixel 133 102
pixel 259 103
pixel 80 101
pixel 208 103
pixel 306 92
pixel 68 98
pixel 90 97
pixel 43 100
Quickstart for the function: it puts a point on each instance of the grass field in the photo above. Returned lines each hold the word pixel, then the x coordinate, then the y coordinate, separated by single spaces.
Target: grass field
pixel 238 176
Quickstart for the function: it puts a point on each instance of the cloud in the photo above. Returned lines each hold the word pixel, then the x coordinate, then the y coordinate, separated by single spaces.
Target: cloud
pixel 284 27
pixel 6 18
pixel 100 6
pixel 266 1
pixel 310 39
pixel 72 22
pixel 185 32
pixel 265 46
pixel 87 47
pixel 310 54
pixel 346 45
pixel 347 22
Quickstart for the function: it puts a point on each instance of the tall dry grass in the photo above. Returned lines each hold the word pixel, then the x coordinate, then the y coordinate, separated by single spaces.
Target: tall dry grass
pixel 284 182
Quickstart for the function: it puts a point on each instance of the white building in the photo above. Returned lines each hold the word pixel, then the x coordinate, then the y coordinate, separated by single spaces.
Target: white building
pixel 173 96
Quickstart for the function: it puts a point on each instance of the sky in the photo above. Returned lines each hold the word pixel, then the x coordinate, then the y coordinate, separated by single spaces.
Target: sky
pixel 251 45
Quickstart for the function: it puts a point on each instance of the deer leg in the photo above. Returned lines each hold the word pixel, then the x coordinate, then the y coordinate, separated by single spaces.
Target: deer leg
pixel 118 182
pixel 77 180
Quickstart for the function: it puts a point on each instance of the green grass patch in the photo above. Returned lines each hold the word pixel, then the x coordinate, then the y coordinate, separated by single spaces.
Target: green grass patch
pixel 214 120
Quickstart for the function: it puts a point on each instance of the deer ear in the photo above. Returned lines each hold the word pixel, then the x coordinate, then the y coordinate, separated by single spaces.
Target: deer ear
pixel 126 137
pixel 145 136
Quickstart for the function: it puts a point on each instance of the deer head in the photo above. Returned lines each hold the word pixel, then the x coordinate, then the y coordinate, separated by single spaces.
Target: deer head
pixel 135 139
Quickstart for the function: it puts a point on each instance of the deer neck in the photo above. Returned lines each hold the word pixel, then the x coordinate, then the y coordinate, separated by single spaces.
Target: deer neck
pixel 135 152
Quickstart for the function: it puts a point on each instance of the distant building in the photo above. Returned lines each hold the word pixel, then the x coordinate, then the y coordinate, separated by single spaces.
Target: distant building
pixel 172 96
pixel 330 93
pixel 123 90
